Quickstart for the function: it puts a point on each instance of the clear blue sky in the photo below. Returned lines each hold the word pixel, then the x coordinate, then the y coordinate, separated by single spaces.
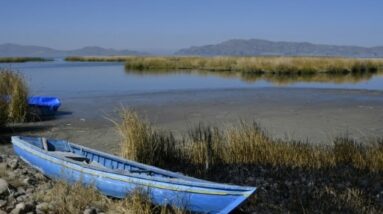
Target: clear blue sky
pixel 173 24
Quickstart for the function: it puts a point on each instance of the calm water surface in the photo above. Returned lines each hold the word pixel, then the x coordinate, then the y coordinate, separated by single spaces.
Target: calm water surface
pixel 77 79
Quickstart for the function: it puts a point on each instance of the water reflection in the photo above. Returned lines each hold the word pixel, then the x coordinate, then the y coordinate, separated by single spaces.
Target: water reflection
pixel 275 79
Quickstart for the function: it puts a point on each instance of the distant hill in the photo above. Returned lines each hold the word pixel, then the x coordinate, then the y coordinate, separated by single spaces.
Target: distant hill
pixel 14 50
pixel 256 47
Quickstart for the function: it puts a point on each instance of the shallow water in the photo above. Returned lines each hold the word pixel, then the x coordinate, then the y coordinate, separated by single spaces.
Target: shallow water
pixel 299 108
pixel 78 79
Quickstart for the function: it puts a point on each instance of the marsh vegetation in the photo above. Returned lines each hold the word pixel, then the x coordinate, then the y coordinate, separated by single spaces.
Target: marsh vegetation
pixel 66 198
pixel 306 177
pixel 97 58
pixel 273 65
pixel 13 97
pixel 208 147
pixel 22 59
pixel 275 79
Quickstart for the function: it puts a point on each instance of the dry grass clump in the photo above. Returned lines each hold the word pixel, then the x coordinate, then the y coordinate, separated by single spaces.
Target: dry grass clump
pixel 349 200
pixel 274 65
pixel 13 97
pixel 143 144
pixel 65 198
pixel 3 170
pixel 22 59
pixel 206 147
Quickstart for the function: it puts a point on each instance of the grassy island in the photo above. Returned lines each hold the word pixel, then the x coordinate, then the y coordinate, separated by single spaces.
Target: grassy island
pixel 22 59
pixel 257 65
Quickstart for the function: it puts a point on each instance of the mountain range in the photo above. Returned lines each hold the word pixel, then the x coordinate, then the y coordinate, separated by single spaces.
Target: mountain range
pixel 234 47
pixel 15 50
pixel 259 47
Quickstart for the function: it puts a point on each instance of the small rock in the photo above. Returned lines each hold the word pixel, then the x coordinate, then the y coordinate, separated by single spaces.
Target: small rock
pixel 21 198
pixel 29 191
pixel 90 211
pixel 2 203
pixel 42 208
pixel 28 181
pixel 11 175
pixel 20 208
pixel 20 191
pixel 24 171
pixel 3 187
pixel 40 176
pixel 1 159
pixel 13 163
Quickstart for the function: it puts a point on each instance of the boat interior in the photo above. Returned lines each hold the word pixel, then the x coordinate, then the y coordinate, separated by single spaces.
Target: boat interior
pixel 65 150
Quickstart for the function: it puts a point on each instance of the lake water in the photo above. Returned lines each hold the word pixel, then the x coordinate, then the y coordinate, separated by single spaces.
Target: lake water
pixel 79 79
pixel 287 107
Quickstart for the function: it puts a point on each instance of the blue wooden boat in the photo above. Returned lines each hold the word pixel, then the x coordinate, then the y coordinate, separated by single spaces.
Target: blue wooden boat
pixel 117 177
pixel 46 104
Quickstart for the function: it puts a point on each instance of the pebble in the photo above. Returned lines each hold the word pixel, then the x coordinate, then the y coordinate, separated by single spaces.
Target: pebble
pixel 3 203
pixel 40 176
pixel 90 211
pixel 42 207
pixel 27 181
pixel 13 163
pixel 11 175
pixel 3 187
pixel 20 208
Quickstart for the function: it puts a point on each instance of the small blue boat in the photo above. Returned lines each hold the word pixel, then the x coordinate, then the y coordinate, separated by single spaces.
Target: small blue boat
pixel 117 177
pixel 48 104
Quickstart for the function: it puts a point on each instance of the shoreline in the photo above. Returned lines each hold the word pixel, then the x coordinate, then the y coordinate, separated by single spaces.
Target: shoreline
pixel 313 115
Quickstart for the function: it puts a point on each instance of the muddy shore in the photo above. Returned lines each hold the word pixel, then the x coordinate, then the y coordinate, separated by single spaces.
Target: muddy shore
pixel 302 114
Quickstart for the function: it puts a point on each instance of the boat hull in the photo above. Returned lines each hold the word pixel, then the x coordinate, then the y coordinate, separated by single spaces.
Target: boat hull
pixel 197 199
pixel 42 105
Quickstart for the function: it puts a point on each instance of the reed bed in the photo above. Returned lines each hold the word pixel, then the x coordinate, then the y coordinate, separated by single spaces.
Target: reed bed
pixel 260 65
pixel 246 144
pixel 97 58
pixel 22 59
pixel 13 97
pixel 344 176
pixel 276 79
pixel 274 65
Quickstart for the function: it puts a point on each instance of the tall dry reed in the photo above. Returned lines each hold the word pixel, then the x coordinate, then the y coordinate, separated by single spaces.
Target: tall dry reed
pixel 13 97
pixel 245 144
pixel 143 144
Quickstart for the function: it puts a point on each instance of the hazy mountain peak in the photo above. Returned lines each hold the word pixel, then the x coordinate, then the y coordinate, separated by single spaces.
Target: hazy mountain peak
pixel 15 50
pixel 258 47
